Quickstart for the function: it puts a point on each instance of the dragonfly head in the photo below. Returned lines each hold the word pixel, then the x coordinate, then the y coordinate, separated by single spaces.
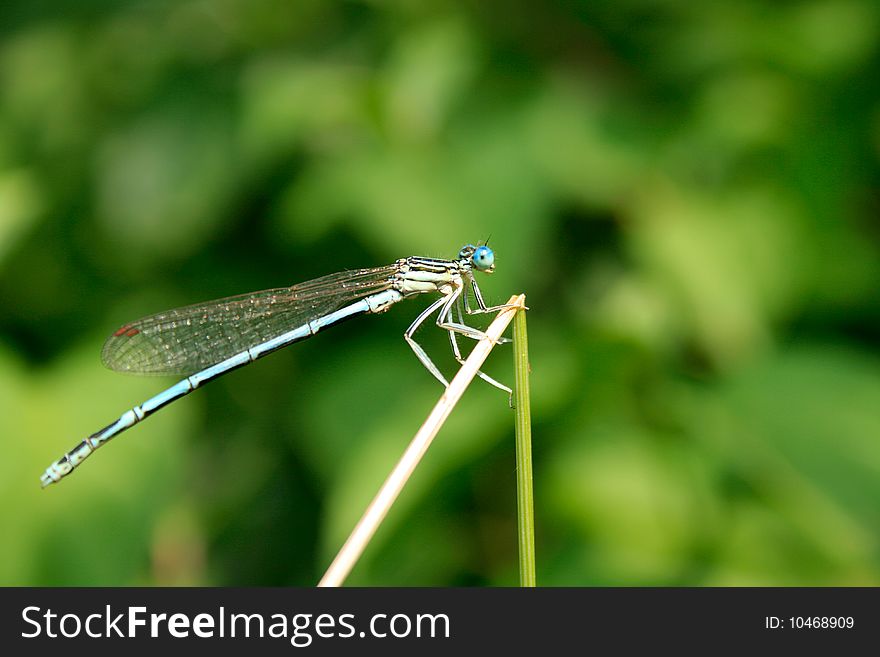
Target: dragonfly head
pixel 481 258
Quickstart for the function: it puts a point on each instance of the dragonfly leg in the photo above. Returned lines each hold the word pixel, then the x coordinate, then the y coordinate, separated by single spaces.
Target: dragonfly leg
pixel 482 304
pixel 481 310
pixel 417 348
pixel 460 327
pixel 457 353
pixel 445 313
pixel 445 305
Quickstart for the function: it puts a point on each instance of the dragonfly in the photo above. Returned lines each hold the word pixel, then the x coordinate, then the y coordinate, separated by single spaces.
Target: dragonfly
pixel 206 340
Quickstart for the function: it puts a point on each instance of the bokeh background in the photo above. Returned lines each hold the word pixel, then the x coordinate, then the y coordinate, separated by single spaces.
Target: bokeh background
pixel 687 193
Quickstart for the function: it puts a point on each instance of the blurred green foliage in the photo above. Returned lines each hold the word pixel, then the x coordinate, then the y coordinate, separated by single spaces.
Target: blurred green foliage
pixel 686 192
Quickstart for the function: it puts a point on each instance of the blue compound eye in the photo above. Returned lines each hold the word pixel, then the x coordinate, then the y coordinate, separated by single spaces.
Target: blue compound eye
pixel 483 258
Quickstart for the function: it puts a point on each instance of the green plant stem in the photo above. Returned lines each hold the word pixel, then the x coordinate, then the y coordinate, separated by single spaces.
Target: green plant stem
pixel 523 422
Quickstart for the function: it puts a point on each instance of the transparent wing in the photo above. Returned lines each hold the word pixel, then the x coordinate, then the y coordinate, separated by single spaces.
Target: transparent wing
pixel 188 339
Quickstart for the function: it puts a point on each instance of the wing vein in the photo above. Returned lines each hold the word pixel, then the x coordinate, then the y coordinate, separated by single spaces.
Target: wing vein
pixel 187 339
